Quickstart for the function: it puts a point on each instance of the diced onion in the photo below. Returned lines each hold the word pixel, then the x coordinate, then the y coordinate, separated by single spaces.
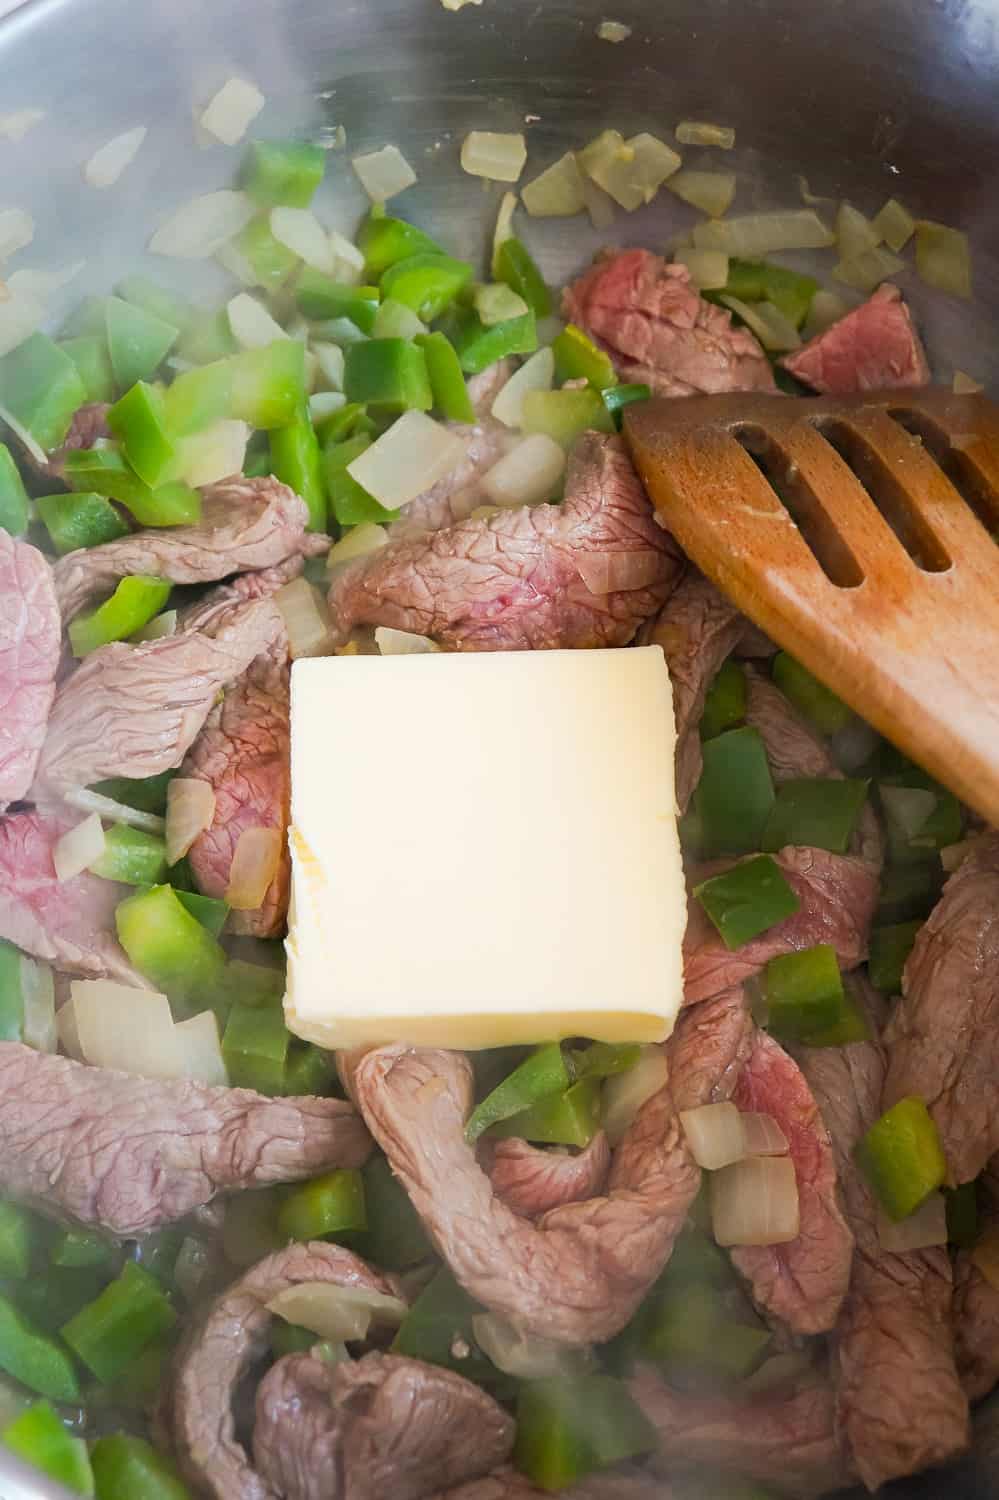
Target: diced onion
pixel 703 133
pixel 558 192
pixel 357 542
pixel 708 268
pixel 630 171
pixel 459 4
pixel 926 1227
pixel 485 512
pixel 252 325
pixel 324 403
pixel 908 807
pixel 190 810
pixel 66 1031
pixel 868 270
pixel 231 111
pixel 394 320
pixel 341 1314
pixel 84 799
pixel 306 618
pixel 714 1135
pixel 15 126
pixel 348 261
pixel 38 1027
pixel 330 363
pixel 827 308
pixel 238 266
pixel 943 258
pixel 200 227
pixel 199 1051
pixel 255 862
pixel 524 1355
pixel 527 474
pixel 985 1256
pixel 500 158
pixel 504 227
pixel 42 284
pixel 965 385
pixel 535 374
pixel 625 1093
pixel 409 458
pixel 853 745
pixel 613 31
pixel 774 331
pixel 762 1135
pixel 106 165
pixel 403 642
pixel 854 232
pixel 753 235
pixel 895 225
pixel 814 200
pixel 158 627
pixel 711 192
pixel 215 453
pixel 24 437
pixel 300 231
pixel 496 303
pixel 78 847
pixel 17 229
pixel 124 1028
pixel 780 1371
pixel 599 205
pixel 755 1202
pixel 384 173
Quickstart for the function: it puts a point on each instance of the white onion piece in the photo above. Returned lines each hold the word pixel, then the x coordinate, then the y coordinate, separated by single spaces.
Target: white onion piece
pixel 357 542
pixel 78 848
pixel 106 165
pixel 384 173
pixel 504 227
pixel 711 192
pixel 527 474
pixel 895 225
pixel 943 258
pixel 524 1355
pixel 215 453
pixel 703 133
pixel 199 1051
pixel 229 114
pixel 925 1227
pixel 330 365
pixel 625 1093
pixel 485 512
pixel 252 325
pixel 324 403
pixel 495 156
pixel 868 270
pixel 714 1134
pixel 403 642
pixel 459 4
pixel 613 31
pixel 630 171
pixel 238 265
pixel 160 625
pixel 67 1033
pixel 535 374
pixel 751 236
pixel 300 231
pixel 42 284
pixel 708 268
pixel 201 226
pixel 124 1028
pixel 86 800
pixel 190 809
pixel 338 1313
pixel 965 385
pixel 255 862
pixel 599 205
pixel 755 1202
pixel 985 1256
pixel 306 619
pixel 854 232
pixel 38 1026
pixel 908 807
pixel 409 458
pixel 496 303
pixel 24 437
pixel 558 192
pixel 17 229
pixel 762 1135
pixel 826 309
pixel 394 320
pixel 774 331
pixel 15 126
pixel 348 261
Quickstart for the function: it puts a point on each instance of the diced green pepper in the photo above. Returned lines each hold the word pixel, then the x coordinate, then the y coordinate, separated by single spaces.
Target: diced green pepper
pixel 820 813
pixel 198 398
pixel 41 387
pixel 11 992
pixel 497 303
pixel 297 462
pixel 602 1059
pixel 568 1427
pixel 851 1025
pixel 735 795
pixel 759 281
pixel 909 892
pixel 447 382
pixel 79 520
pixel 132 605
pixel 207 910
pixel 39 1436
pixel 324 1207
pixel 578 358
pixel 564 415
pixel 138 420
pixel 129 1468
pixel 207 338
pixel 810 697
pixel 696 1260
pixel 902 1158
pixel 271 262
pixel 617 397
pixel 81 1247
pixel 538 1077
pixel 515 267
pixel 169 946
pixel 89 354
pixel 250 1231
pixel 144 793
pixel 568 1119
pixel 138 341
pixel 103 471
pixel 13 495
pixel 388 374
pixel 804 992
pixel 396 1236
pixel 157 300
pixel 320 297
pixel 478 347
pixel 385 241
pixel 131 856
pixel 288 1338
pixel 254 984
pixel 349 501
pixel 962 1215
pixel 282 173
pixel 426 283
pixel 33 1358
pixel 687 1327
pixel 255 1047
pixel 889 948
pixel 268 385
pixel 747 900
pixel 725 703
pixel 347 422
pixel 112 1331
pixel 306 1070
pixel 18 1234
pixel 438 1329
pixel 157 1252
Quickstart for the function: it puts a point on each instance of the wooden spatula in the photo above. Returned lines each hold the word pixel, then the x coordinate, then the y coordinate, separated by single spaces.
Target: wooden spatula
pixel 856 532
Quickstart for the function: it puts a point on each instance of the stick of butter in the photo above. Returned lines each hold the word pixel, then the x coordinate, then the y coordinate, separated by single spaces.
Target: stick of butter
pixel 484 849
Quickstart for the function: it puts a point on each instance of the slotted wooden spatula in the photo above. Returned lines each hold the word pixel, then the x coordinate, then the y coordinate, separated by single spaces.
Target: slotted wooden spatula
pixel 856 532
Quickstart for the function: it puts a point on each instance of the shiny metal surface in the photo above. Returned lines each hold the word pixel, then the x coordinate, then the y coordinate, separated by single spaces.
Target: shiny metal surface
pixel 867 98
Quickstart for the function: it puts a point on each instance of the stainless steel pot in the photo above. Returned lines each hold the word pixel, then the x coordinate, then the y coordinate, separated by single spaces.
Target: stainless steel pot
pixel 867 98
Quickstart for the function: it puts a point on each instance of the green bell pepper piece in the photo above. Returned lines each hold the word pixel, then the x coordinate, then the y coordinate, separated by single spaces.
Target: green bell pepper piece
pixel 809 696
pixel 254 984
pixel 687 1327
pixel 568 1427
pixel 11 992
pixel 696 1260
pixel 478 346
pixel 255 1047
pixel 272 262
pixel 289 1338
pixel 568 1119
pixel 112 1331
pixel 138 341
pixel 268 385
pixel 396 1236
pixel 198 398
pixel 152 298
pixel 129 1468
pixel 157 1253
pixel 962 1215
pixel 388 374
pixel 564 415
pixel 82 1248
pixel 538 1077
pixel 735 795
pixel 427 284
pixel 306 1071
pixel 320 297
pixel 144 793
pixel 515 267
pixel 18 1234
pixel 450 392
pixel 297 462
pixel 41 387
pixel 851 1025
pixel 282 173
pixel 207 910
pixel 617 397
pixel 902 1158
pixel 14 508
pixel 169 946
pixel 820 813
pixel 250 1231
pixel 495 302
pixel 349 501
pixel 207 337
pixel 440 1322
pixel 79 520
pixel 131 856
pixel 577 357
pixel 759 281
pixel 33 1358
pixel 725 703
pixel 889 948
pixel 89 354
pixel 602 1059
pixel 132 605
pixel 385 241
pixel 347 422
pixel 909 892
pixel 747 900
pixel 138 420
pixel 804 992
pixel 39 1436
pixel 326 1206
pixel 103 471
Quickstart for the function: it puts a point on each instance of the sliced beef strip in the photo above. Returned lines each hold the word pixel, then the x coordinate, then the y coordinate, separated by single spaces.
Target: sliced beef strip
pixel 135 710
pixel 943 1037
pixel 874 347
pixel 89 426
pixel 786 1439
pixel 486 386
pixel 127 1154
pixel 802 1283
pixel 628 1483
pixel 709 1049
pixel 838 895
pixel 660 332
pixel 68 923
pixel 245 524
pixel 219 1353
pixel 583 573
pixel 976 1303
pixel 30 640
pixel 296 1435
pixel 531 1180
pixel 900 1406
pixel 243 589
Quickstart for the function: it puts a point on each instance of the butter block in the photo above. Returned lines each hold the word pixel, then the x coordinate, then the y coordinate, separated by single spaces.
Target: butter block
pixel 484 849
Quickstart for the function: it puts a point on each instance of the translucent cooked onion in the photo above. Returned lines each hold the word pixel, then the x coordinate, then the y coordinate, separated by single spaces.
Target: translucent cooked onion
pixel 498 157
pixel 775 332
pixel 68 1036
pixel 252 325
pixel 159 626
pixel 124 1028
pixel 755 1202
pixel 943 258
pixel 357 542
pixel 528 474
pixel 703 133
pixel 106 165
pixel 42 284
pixel 558 192
pixel 199 1050
pixel 762 1136
pixel 255 862
pixel 384 173
pixel 84 799
pixel 599 205
pixel 630 171
pixel 711 192
pixel 613 31
pixel 340 1314
pixel 300 231
pixel 708 268
pixel 15 126
pixel 827 308
pixel 215 453
pixel 330 364
pixel 908 807
pixel 17 230
pixel 504 227
pixel 955 854
pixel 78 848
pixel 497 303
pixel 409 458
pixel 189 811
pixel 854 232
pixel 394 320
pixel 523 1355
pixel 714 1135
pixel 230 112
pixel 867 270
pixel 751 236
pixel 895 225
pixel 985 1256
pixel 306 619
pixel 926 1227
pixel 238 266
pixel 625 1093
pixel 348 261
pixel 403 642
pixel 201 226
pixel 965 385
pixel 38 1026
pixel 535 374
pixel 324 403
